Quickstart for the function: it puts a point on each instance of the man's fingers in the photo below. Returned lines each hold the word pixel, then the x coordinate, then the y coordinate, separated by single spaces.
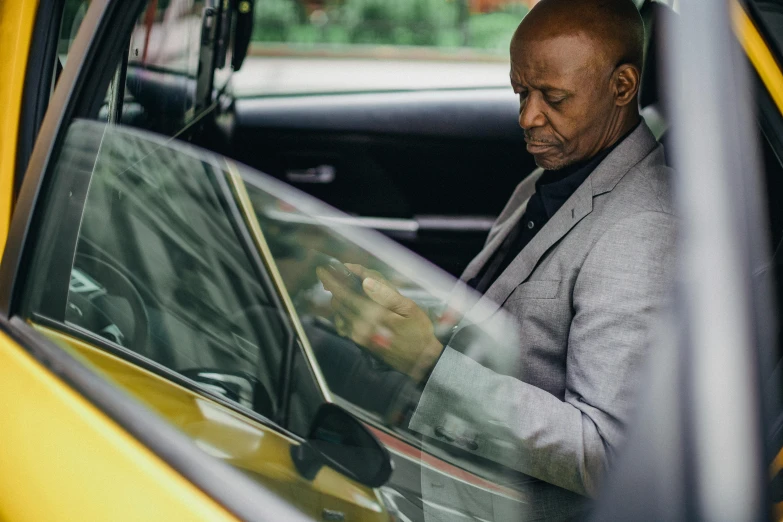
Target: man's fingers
pixel 348 312
pixel 362 332
pixel 333 285
pixel 340 326
pixel 365 272
pixel 326 278
pixel 358 269
pixel 388 297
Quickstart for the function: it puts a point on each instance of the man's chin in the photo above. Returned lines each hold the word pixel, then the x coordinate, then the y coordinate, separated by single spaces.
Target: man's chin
pixel 550 163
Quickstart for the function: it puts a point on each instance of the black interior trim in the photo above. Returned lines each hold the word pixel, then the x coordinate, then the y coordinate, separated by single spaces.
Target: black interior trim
pixel 39 75
pixel 481 114
pixel 238 494
pixel 771 124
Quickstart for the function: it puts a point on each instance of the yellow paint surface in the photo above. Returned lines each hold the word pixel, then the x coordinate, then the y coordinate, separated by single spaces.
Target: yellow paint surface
pixel 16 27
pixel 759 54
pixel 63 459
pixel 261 453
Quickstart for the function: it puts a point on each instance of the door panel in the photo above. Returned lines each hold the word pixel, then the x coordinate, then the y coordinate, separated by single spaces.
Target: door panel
pixel 152 270
pixel 261 453
pixel 66 460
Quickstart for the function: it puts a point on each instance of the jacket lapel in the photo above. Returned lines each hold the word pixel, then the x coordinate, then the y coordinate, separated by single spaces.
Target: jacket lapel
pixel 506 221
pixel 606 175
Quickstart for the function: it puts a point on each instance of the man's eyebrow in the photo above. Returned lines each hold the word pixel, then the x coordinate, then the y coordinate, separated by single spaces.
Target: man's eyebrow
pixel 553 89
pixel 545 87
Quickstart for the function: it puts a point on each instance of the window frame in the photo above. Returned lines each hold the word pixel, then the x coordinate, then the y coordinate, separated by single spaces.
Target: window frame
pixel 40 71
pixel 97 49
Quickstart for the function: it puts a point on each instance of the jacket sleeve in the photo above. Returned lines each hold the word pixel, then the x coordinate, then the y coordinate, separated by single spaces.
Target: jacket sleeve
pixel 618 293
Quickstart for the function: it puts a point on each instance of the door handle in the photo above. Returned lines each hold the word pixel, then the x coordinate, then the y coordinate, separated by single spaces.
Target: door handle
pixel 322 174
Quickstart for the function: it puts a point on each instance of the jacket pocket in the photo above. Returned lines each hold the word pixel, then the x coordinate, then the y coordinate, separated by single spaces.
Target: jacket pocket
pixel 535 290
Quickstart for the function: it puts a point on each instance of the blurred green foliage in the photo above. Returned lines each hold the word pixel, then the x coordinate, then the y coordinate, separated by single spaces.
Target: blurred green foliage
pixel 438 23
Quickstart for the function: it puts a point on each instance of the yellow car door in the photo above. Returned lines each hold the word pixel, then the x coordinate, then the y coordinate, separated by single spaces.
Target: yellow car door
pixel 756 26
pixel 17 24
pixel 195 373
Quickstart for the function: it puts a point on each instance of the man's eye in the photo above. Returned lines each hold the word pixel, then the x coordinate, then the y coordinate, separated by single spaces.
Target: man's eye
pixel 555 101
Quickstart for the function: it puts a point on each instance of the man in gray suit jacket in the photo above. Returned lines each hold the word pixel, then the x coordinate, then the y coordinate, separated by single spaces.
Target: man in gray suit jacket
pixel 581 257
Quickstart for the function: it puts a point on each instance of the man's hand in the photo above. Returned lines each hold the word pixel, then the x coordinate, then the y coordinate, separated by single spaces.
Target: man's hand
pixel 388 324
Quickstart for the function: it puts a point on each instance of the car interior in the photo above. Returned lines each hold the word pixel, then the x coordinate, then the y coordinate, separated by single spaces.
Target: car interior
pixel 417 158
pixel 444 160
pixel 429 168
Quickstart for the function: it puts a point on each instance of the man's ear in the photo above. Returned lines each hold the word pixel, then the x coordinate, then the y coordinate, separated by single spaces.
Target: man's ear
pixel 625 84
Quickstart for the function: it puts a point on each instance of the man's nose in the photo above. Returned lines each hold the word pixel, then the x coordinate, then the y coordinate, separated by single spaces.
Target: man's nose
pixel 530 112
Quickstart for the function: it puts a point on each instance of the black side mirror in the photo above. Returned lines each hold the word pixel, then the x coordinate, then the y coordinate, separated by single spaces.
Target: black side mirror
pixel 340 441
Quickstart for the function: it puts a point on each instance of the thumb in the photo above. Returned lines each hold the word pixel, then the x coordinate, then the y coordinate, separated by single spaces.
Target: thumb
pixel 386 297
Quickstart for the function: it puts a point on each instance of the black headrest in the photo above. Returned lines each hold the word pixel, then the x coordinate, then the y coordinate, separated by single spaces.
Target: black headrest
pixel 655 16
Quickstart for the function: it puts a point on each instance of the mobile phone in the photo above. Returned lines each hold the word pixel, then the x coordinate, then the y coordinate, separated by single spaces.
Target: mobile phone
pixel 341 273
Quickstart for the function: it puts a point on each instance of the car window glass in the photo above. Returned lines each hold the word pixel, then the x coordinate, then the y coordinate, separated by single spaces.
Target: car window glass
pixel 365 45
pixel 163 64
pixel 438 24
pixel 167 82
pixel 304 235
pixel 73 14
pixel 166 37
pixel 158 267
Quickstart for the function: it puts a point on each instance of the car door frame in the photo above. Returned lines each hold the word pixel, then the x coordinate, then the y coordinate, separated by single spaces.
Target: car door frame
pixel 40 72
pixel 98 47
pixel 695 450
pixel 18 28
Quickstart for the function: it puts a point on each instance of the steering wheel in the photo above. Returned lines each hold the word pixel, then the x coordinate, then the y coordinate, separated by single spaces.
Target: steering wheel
pixel 117 284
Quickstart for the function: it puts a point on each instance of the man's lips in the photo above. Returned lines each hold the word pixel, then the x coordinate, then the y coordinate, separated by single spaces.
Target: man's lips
pixel 534 147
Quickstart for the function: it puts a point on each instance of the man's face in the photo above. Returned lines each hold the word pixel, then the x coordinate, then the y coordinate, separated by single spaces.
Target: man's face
pixel 566 102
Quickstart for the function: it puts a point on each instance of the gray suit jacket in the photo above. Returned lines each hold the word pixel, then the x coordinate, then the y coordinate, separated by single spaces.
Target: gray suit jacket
pixel 584 293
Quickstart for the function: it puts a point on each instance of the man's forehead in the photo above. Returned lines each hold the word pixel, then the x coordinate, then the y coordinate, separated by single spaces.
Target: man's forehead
pixel 555 59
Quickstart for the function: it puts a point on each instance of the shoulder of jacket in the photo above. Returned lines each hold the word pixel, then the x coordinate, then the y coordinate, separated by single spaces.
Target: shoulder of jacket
pixel 647 186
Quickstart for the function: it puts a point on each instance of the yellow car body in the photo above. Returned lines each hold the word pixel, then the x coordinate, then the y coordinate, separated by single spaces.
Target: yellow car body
pixel 55 440
pixel 259 452
pixel 52 434
pixel 95 470
pixel 16 29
